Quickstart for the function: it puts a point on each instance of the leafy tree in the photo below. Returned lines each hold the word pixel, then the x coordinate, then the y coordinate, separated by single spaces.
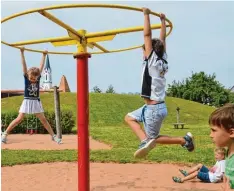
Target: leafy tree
pixel 110 89
pixel 201 88
pixel 96 89
pixel 231 97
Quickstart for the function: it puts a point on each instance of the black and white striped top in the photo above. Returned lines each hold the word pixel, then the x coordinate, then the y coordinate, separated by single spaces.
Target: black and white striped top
pixel 153 77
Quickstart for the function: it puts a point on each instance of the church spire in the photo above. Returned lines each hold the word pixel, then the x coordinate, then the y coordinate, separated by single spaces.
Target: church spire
pixel 47 75
pixel 47 65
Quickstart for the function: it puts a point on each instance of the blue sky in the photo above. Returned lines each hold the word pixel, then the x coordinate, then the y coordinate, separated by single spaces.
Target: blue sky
pixel 202 40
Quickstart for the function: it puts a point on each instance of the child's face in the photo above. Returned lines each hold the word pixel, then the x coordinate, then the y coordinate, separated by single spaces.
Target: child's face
pixel 219 156
pixel 32 78
pixel 220 136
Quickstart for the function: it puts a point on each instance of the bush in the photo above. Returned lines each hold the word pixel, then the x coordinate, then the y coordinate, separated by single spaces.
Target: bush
pixel 32 122
pixel 231 97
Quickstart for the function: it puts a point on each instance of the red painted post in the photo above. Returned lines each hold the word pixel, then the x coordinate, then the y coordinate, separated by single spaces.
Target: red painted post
pixel 83 121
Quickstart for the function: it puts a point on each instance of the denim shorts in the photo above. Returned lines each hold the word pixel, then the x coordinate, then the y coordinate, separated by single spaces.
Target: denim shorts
pixel 203 174
pixel 152 117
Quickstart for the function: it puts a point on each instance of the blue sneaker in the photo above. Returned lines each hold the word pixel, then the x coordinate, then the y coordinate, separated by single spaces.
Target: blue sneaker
pixel 177 179
pixel 144 148
pixel 183 172
pixel 189 142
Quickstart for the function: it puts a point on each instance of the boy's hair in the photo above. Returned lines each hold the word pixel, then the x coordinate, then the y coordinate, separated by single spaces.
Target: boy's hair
pixel 34 71
pixel 223 117
pixel 221 151
pixel 157 46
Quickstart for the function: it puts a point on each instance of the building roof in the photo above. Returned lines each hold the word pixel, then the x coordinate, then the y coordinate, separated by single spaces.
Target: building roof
pixel 63 86
pixel 47 65
pixel 232 89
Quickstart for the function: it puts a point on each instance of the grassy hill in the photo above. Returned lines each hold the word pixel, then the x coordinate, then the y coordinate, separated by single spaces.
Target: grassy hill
pixel 110 109
pixel 107 112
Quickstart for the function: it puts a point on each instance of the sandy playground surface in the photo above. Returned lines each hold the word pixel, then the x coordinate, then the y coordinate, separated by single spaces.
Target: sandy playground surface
pixel 62 176
pixel 43 142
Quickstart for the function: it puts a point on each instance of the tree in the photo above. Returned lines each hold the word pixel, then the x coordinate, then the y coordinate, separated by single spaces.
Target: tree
pixel 201 88
pixel 96 89
pixel 110 89
pixel 231 97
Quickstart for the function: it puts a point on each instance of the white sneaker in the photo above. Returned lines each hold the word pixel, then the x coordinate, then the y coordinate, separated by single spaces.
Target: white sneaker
pixel 4 137
pixel 56 139
pixel 144 148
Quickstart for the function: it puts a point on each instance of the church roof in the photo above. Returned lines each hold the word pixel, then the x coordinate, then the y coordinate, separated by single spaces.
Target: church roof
pixel 47 65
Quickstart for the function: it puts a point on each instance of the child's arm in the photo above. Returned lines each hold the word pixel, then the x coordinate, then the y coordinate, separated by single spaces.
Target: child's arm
pixel 43 61
pixel 226 184
pixel 147 32
pixel 163 30
pixel 212 169
pixel 23 60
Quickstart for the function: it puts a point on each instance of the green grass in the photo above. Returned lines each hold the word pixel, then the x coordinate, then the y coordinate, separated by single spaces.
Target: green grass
pixel 106 124
pixel 110 109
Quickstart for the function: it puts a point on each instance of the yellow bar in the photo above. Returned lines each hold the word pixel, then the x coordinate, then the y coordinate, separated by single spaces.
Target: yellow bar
pixel 82 47
pixel 100 47
pixel 78 5
pixel 73 36
pixel 90 45
pixel 40 51
pixel 119 31
pixel 91 36
pixel 72 53
pixel 101 38
pixel 76 34
pixel 57 39
pixel 65 43
pixel 119 50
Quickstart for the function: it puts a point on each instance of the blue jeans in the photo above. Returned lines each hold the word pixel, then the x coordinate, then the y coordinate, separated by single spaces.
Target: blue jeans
pixel 152 117
pixel 203 174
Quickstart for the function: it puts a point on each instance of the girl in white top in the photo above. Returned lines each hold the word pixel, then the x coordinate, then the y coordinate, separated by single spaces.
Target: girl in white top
pixel 212 175
pixel 31 103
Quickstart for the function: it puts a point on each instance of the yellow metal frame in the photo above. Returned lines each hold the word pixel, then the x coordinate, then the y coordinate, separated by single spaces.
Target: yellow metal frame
pixel 81 38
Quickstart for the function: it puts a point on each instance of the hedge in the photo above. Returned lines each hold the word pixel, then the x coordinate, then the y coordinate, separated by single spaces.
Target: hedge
pixel 31 121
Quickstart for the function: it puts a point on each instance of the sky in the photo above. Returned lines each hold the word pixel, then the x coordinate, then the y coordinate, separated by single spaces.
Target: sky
pixel 202 40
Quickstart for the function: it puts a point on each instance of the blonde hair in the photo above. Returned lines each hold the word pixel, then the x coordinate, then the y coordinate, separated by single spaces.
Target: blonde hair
pixel 221 151
pixel 34 71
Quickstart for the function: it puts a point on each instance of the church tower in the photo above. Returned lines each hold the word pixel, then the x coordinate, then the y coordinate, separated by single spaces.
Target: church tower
pixel 47 75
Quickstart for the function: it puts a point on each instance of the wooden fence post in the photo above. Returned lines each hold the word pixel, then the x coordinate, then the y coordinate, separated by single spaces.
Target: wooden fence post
pixel 57 112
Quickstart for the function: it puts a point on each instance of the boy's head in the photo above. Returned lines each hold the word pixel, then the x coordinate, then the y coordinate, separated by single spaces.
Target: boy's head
pixel 222 126
pixel 157 46
pixel 220 154
pixel 33 73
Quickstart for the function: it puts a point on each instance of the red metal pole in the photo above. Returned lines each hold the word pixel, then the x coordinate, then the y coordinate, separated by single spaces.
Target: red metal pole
pixel 83 121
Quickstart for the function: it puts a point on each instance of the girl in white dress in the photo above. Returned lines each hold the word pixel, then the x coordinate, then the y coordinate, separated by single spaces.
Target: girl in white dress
pixel 31 103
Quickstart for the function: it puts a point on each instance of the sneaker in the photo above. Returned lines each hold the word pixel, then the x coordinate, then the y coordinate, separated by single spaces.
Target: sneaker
pixel 4 137
pixel 176 179
pixel 56 139
pixel 183 172
pixel 144 148
pixel 189 142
